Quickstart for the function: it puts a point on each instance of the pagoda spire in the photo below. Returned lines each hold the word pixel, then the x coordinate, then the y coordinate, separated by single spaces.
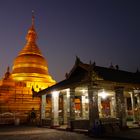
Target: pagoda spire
pixel 32 35
pixel 7 74
pixel 33 18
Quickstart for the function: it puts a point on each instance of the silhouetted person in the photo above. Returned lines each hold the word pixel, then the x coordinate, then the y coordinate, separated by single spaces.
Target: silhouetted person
pixel 33 116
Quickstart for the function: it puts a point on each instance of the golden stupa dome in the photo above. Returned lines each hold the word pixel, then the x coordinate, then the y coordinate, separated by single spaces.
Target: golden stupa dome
pixel 30 65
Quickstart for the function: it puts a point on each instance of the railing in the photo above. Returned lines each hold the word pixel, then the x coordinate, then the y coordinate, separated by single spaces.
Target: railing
pixel 7 118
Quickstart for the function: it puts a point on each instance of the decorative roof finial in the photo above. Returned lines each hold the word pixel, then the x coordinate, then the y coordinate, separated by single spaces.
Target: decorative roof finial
pixel 8 69
pixel 111 66
pixel 32 35
pixel 33 18
pixel 77 60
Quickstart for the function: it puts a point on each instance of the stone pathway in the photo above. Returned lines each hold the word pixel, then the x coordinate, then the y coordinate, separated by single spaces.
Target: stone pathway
pixel 36 133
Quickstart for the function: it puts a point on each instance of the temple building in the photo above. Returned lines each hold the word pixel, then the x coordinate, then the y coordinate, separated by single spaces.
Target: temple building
pixel 29 70
pixel 92 94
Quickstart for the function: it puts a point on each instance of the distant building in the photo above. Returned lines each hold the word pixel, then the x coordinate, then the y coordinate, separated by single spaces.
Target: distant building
pixel 92 93
pixel 29 70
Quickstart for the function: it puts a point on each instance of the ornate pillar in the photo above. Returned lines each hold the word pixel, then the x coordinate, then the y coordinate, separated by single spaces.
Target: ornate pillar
pixel 93 105
pixel 113 107
pixel 138 101
pixel 72 103
pixel 65 108
pixel 66 101
pixel 55 108
pixel 72 108
pixel 83 104
pixel 100 107
pixel 133 105
pixel 43 107
pixel 120 106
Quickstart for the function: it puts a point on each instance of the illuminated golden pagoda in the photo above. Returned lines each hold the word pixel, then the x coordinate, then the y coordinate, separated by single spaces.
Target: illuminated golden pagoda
pixel 30 65
pixel 29 70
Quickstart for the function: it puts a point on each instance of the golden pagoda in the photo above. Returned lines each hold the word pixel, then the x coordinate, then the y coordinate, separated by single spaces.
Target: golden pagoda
pixel 29 70
pixel 30 65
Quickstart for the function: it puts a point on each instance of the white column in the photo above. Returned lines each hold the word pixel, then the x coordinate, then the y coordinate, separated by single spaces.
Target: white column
pixel 120 105
pixel 93 105
pixel 72 108
pixel 72 104
pixel 133 105
pixel 138 101
pixel 66 108
pixel 112 107
pixel 100 107
pixel 85 109
pixel 55 108
pixel 43 107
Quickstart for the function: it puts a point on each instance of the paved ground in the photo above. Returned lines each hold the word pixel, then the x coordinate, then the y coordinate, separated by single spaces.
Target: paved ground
pixel 36 133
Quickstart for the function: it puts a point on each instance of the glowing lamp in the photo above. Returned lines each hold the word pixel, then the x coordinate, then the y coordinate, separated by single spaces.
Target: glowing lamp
pixel 103 94
pixel 55 93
